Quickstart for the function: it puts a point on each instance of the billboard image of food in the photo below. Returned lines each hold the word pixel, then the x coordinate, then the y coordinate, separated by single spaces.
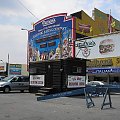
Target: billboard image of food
pixel 98 47
pixel 106 46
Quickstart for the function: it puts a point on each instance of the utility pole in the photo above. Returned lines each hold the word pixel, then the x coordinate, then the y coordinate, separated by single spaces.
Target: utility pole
pixel 8 65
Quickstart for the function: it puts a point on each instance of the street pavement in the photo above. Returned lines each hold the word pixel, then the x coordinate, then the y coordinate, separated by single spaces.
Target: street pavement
pixel 24 106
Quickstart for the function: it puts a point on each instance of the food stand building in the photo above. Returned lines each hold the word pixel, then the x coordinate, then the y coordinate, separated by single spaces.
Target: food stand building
pixel 53 37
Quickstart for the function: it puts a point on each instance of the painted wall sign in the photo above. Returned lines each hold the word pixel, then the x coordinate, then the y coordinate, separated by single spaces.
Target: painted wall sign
pixel 85 25
pixel 99 47
pixel 50 38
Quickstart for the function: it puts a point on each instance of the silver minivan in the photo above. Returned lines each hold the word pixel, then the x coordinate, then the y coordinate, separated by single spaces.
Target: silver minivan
pixel 12 83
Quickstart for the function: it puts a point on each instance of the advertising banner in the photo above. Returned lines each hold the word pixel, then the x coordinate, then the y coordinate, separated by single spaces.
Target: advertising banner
pixel 15 69
pixel 99 47
pixel 37 80
pixel 76 81
pixel 50 38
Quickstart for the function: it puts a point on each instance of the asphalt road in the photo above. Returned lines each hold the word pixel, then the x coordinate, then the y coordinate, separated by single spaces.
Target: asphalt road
pixel 24 106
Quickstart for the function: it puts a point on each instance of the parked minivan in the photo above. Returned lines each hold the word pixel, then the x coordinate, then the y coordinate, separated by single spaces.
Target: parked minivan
pixel 12 83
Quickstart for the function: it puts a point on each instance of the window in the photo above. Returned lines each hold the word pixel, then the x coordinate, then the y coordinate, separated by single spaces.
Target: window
pixel 25 79
pixel 43 45
pixel 77 69
pixel 51 44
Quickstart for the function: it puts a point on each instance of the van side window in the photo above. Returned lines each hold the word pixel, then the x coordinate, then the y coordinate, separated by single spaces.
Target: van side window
pixel 14 79
pixel 19 79
pixel 25 79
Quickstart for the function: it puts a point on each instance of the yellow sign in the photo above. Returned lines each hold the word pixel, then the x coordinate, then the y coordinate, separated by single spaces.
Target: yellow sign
pixel 116 62
pixel 87 26
pixel 104 62
pixel 113 24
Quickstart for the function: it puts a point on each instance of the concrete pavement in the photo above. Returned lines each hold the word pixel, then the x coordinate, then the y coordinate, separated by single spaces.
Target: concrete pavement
pixel 24 106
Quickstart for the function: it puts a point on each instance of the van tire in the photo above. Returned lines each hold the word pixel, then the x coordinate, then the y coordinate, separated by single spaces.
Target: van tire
pixel 6 89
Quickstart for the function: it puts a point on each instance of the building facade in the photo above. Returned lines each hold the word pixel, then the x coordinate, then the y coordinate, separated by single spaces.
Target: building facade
pixel 13 69
pixel 55 36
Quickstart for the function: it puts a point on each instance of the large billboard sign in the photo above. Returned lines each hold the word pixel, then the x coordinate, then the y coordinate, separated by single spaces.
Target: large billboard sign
pixel 50 38
pixel 99 47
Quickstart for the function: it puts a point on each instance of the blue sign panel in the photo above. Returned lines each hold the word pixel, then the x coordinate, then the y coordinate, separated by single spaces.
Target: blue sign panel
pixel 15 69
pixel 103 70
pixel 50 38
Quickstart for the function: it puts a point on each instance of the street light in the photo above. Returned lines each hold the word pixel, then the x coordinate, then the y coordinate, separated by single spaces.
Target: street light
pixel 8 64
pixel 27 46
pixel 2 61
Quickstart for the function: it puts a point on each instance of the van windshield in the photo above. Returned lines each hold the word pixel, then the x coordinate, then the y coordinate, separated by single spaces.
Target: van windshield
pixel 6 79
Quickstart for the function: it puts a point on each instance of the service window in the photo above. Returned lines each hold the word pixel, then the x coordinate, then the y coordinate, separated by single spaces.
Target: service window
pixel 76 69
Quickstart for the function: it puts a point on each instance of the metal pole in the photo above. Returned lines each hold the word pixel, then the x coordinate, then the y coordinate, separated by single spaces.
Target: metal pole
pixel 60 36
pixel 8 64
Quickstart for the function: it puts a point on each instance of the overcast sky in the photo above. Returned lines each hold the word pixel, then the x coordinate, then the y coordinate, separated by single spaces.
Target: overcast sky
pixel 14 16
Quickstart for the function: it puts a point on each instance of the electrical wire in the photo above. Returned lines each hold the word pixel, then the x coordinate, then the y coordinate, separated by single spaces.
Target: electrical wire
pixel 27 9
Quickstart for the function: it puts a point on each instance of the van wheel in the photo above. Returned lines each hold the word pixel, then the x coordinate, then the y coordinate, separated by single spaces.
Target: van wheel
pixel 7 89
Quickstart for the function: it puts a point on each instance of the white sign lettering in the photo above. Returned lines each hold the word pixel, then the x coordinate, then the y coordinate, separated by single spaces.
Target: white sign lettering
pixel 76 81
pixel 37 80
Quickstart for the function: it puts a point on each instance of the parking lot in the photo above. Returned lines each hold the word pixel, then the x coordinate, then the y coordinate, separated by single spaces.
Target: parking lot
pixel 24 106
